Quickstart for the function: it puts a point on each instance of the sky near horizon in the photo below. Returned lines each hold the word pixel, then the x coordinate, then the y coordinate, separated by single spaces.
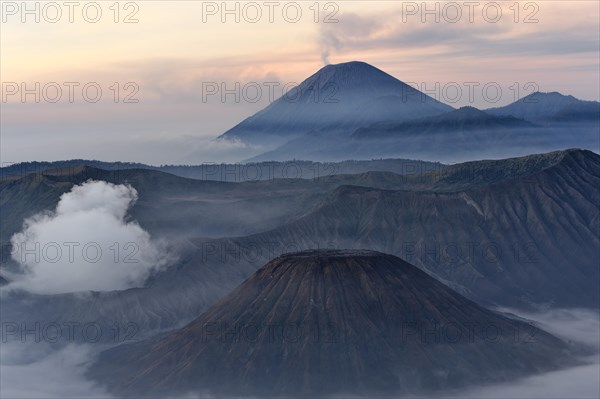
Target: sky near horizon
pixel 155 63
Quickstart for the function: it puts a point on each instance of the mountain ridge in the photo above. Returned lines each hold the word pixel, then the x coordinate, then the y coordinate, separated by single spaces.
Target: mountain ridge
pixel 334 100
pixel 548 107
pixel 464 119
pixel 527 265
pixel 353 310
pixel 545 225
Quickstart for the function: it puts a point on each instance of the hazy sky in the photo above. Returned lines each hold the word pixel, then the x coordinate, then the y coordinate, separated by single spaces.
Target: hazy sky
pixel 172 53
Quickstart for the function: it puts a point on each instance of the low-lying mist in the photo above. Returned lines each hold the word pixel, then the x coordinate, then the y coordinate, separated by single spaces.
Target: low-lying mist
pixel 35 370
pixel 579 326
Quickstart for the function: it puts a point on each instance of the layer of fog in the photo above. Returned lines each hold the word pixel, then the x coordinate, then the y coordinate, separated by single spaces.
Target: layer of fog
pixel 86 243
pixel 575 325
pixel 157 142
pixel 34 370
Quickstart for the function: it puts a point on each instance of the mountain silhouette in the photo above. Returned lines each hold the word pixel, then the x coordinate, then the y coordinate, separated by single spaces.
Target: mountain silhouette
pixel 338 98
pixel 463 120
pixel 551 107
pixel 333 322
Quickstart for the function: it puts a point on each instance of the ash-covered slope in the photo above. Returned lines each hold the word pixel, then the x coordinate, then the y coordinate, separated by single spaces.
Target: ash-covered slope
pixel 333 322
pixel 168 204
pixel 177 206
pixel 515 232
pixel 338 98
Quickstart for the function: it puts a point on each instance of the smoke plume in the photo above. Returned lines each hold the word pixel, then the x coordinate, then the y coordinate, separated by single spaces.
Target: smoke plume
pixel 87 243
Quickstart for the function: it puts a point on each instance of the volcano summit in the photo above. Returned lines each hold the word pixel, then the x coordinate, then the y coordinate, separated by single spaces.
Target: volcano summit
pixel 336 99
pixel 334 322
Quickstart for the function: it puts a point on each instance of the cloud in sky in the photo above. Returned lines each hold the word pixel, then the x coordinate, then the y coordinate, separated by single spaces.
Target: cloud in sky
pixel 170 54
pixel 555 34
pixel 87 243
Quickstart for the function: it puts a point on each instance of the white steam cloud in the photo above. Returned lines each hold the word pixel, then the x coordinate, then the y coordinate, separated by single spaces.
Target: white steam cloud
pixel 86 244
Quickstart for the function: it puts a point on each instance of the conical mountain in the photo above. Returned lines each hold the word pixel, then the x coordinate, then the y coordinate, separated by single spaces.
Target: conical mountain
pixel 333 322
pixel 338 98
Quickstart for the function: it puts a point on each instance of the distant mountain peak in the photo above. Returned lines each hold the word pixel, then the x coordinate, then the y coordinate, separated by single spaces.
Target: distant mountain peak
pixel 355 78
pixel 549 96
pixel 351 67
pixel 349 64
pixel 550 107
pixel 349 73
pixel 336 99
pixel 469 111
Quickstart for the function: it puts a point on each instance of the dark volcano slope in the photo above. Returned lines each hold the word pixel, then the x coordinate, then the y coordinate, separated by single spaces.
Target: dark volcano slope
pixel 525 239
pixel 168 204
pixel 333 322
pixel 178 206
pixel 517 232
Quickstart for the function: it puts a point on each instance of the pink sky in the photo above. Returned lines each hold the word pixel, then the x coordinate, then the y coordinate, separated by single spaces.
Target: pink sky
pixel 176 48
